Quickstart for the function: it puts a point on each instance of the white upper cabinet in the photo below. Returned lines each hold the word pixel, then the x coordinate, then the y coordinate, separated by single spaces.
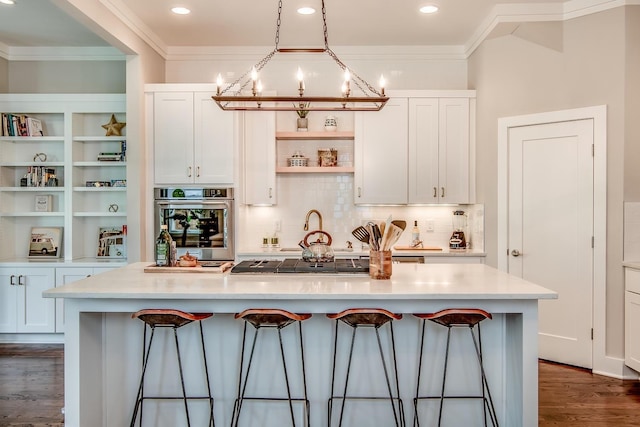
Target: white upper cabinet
pixel 192 138
pixel 380 154
pixel 259 150
pixel 417 150
pixel 439 150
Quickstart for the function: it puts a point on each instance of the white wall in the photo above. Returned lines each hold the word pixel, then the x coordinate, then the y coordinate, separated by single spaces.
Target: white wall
pixel 514 76
pixel 4 75
pixel 632 106
pixel 67 77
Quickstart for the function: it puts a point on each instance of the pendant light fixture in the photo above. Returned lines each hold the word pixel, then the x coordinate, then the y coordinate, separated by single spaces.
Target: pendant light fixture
pixel 236 97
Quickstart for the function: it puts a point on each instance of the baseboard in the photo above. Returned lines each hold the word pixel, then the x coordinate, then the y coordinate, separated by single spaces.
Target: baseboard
pixel 32 338
pixel 614 367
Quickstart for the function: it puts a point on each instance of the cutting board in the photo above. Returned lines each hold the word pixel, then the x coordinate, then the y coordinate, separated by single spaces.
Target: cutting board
pixel 423 248
pixel 197 269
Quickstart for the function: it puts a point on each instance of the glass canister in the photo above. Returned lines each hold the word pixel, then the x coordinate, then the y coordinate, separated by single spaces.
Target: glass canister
pixel 380 265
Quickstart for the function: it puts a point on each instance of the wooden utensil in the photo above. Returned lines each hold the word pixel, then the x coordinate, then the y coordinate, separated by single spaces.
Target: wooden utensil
pixel 400 223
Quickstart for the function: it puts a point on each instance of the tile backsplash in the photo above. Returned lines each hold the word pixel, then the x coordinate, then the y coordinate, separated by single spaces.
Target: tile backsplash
pixel 332 195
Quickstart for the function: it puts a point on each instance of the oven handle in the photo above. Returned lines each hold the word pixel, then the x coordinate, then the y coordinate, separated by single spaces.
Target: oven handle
pixel 191 204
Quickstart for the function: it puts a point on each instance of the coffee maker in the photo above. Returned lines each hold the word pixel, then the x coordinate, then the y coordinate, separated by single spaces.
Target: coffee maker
pixel 457 240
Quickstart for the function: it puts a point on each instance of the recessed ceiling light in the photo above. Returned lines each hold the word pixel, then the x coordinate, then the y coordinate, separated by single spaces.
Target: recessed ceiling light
pixel 180 10
pixel 430 8
pixel 7 2
pixel 306 11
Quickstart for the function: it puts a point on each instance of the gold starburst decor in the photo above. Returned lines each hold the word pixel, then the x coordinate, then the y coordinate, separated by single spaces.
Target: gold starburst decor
pixel 114 128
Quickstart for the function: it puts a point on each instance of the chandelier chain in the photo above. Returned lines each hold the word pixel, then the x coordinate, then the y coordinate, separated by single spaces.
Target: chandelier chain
pixel 278 22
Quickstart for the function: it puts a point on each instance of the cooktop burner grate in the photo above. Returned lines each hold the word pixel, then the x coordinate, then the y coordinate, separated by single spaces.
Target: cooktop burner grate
pixel 293 265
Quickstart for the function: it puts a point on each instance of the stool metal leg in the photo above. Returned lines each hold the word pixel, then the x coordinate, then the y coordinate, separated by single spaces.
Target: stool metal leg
pixel 386 376
pixel 416 419
pixel 488 404
pixel 395 368
pixel 146 351
pixel 206 372
pixel 444 375
pixel 333 375
pixel 184 391
pixel 304 376
pixel 242 385
pixel 286 379
pixel 346 382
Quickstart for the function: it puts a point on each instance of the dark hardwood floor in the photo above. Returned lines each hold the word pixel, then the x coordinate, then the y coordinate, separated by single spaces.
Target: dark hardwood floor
pixel 31 392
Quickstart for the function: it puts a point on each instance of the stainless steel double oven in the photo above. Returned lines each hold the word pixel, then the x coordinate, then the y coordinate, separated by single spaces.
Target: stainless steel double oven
pixel 200 220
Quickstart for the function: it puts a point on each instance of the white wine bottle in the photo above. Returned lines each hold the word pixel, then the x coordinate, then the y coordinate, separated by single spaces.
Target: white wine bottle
pixel 163 247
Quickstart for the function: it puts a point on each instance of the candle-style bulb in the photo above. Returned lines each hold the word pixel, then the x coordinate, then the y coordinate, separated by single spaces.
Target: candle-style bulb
pixel 383 82
pixel 259 87
pixel 254 74
pixel 347 75
pixel 219 83
pixel 299 75
pixel 300 78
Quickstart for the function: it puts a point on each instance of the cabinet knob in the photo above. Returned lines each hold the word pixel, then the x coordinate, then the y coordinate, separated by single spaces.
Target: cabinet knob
pixel 359 191
pixel 198 171
pixel 20 280
pixel 435 192
pixel 12 281
pixel 189 172
pixel 441 191
pixel 270 192
pixel 515 253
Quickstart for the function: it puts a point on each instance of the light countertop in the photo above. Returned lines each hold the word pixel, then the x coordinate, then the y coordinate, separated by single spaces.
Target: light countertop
pixel 408 281
pixel 343 253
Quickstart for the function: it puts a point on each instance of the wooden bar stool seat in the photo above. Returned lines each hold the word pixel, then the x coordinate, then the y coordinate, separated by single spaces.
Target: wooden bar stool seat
pixel 358 318
pixel 169 318
pixel 456 318
pixel 273 318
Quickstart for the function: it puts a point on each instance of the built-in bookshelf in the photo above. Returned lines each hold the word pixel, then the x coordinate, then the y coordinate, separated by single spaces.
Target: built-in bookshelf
pixel 70 175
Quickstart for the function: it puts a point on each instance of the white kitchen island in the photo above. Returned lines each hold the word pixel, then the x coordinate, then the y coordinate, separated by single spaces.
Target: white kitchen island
pixel 103 344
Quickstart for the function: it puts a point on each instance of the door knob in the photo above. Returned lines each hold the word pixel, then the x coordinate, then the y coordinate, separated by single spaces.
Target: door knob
pixel 515 252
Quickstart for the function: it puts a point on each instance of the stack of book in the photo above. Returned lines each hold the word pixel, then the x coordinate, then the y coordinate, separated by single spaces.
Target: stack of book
pixel 40 176
pixel 119 156
pixel 20 125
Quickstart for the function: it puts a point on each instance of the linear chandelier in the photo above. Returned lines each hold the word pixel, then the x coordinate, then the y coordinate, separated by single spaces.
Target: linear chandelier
pixel 236 97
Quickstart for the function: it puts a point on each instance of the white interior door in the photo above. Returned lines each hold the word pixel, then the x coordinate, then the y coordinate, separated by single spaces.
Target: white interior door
pixel 550 211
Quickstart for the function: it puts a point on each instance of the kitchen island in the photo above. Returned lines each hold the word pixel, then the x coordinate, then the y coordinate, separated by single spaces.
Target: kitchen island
pixel 103 344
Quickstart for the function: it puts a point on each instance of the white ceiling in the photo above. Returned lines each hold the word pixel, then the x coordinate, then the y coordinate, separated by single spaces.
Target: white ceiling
pixel 460 23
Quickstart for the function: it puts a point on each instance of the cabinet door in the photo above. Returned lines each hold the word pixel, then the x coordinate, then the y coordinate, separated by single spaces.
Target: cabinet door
pixel 453 152
pixel 8 296
pixel 35 313
pixel 213 141
pixel 66 275
pixel 173 137
pixel 380 152
pixel 260 158
pixel 423 150
pixel 632 330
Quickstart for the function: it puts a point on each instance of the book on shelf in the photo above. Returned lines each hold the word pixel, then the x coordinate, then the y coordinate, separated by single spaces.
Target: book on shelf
pixel 20 125
pixel 44 203
pixel 40 176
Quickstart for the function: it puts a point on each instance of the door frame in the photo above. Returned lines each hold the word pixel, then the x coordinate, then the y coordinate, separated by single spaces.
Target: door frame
pixel 601 363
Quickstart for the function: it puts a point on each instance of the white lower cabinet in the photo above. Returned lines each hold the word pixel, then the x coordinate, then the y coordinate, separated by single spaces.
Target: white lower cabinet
pixel 22 308
pixel 65 275
pixel 632 318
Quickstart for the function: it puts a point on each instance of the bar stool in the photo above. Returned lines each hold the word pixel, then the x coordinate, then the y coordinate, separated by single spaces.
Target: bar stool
pixel 464 317
pixel 372 318
pixel 166 318
pixel 261 318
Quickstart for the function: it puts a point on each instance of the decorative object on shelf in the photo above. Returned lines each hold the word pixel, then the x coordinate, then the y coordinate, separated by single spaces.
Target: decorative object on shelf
pixel 40 157
pixel 330 124
pixel 113 207
pixel 118 182
pixel 231 96
pixel 114 128
pixel 303 122
pixel 298 159
pixel 112 242
pixel 327 157
pixel 45 242
pixel 44 203
pixel 97 184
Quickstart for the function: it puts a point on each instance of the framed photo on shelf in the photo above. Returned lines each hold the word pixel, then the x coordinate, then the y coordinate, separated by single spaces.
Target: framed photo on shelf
pixel 112 242
pixel 45 242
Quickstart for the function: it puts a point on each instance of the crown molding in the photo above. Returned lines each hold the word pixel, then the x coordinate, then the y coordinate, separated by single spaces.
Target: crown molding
pixel 4 51
pixel 242 53
pixel 524 12
pixel 41 53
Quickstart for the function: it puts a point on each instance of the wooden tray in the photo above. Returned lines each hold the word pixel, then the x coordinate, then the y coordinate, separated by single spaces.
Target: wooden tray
pixel 423 248
pixel 197 269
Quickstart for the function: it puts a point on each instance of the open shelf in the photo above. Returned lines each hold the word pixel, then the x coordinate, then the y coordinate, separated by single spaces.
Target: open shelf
pixel 313 169
pixel 315 135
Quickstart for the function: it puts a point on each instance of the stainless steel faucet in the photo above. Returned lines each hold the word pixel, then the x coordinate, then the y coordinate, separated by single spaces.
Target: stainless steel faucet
pixel 306 221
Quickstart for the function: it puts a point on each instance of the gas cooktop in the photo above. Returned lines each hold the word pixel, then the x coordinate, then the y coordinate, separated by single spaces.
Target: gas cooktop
pixel 293 265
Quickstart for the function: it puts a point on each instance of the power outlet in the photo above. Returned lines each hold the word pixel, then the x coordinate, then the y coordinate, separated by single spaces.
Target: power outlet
pixel 430 226
pixel 277 225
